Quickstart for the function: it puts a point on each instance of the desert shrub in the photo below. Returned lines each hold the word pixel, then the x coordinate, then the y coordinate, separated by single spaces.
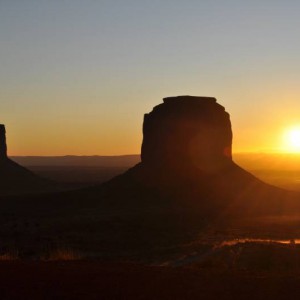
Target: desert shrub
pixel 62 254
pixel 11 255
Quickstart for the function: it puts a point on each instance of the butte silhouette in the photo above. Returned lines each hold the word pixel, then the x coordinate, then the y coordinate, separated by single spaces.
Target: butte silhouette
pixel 15 179
pixel 186 160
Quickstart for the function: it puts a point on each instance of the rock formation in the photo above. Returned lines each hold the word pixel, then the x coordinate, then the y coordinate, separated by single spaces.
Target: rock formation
pixel 186 158
pixel 3 147
pixel 186 132
pixel 15 179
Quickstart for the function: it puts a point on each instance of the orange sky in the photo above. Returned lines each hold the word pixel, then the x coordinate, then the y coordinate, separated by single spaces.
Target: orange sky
pixel 77 78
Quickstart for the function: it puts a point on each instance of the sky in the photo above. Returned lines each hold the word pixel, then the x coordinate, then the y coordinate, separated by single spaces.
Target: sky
pixel 76 76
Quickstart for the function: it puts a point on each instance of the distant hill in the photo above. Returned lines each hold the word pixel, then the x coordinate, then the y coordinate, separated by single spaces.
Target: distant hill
pixel 249 161
pixel 280 169
pixel 121 161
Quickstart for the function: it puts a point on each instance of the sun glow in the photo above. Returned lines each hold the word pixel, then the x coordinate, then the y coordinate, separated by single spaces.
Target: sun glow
pixel 292 139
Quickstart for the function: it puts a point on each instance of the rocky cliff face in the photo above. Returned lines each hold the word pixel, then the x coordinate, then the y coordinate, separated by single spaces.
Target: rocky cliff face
pixel 187 132
pixel 3 147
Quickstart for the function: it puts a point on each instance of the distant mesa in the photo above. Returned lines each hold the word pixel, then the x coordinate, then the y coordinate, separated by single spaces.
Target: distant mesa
pixel 15 179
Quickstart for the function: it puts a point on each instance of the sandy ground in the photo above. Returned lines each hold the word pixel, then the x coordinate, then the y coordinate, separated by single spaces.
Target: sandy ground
pixel 96 280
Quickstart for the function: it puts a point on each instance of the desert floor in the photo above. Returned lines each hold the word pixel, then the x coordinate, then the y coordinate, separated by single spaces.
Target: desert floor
pixel 97 280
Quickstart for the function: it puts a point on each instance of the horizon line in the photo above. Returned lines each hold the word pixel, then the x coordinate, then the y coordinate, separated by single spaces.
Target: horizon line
pixel 138 154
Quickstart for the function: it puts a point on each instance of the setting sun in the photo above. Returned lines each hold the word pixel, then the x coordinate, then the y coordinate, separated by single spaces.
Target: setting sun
pixel 292 139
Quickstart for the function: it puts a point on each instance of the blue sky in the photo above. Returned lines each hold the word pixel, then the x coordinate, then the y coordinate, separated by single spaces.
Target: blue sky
pixel 76 77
